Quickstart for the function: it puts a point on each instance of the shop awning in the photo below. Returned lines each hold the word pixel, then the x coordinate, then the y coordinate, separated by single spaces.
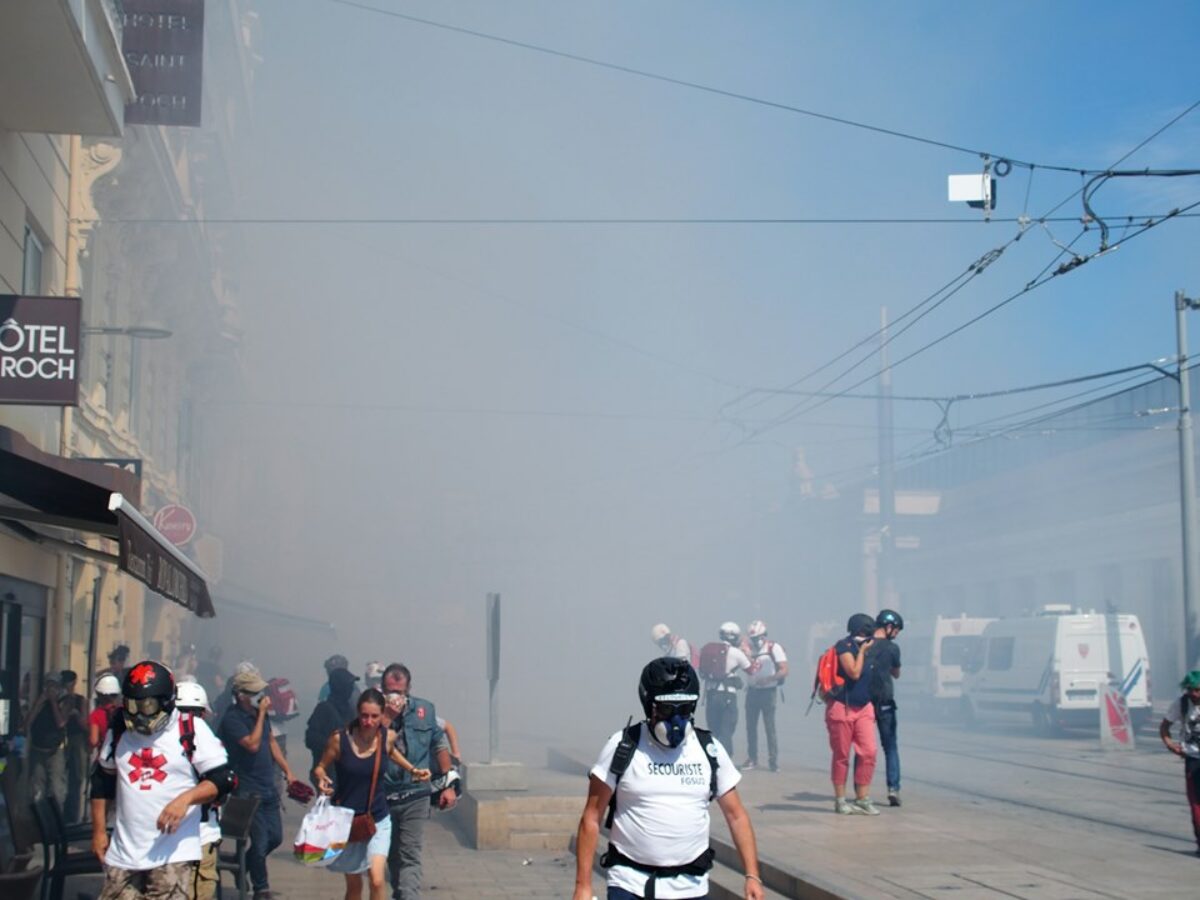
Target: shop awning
pixel 42 489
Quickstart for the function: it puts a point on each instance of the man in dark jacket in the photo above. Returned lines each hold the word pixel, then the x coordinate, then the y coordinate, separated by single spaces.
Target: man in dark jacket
pixel 424 744
pixel 330 714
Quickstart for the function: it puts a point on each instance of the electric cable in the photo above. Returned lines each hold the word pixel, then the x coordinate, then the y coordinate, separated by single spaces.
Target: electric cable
pixel 709 89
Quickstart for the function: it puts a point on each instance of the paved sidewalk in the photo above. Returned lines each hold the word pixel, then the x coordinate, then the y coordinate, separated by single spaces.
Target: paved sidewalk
pixel 452 871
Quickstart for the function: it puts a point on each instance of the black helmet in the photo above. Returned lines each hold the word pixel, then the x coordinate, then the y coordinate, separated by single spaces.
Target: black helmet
pixel 149 697
pixel 888 617
pixel 670 679
pixel 860 625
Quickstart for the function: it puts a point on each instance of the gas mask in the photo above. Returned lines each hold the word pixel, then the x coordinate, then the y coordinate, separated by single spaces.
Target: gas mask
pixel 145 716
pixel 670 721
pixel 397 701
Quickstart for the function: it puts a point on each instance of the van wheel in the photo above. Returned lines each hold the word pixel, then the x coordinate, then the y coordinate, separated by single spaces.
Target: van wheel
pixel 1043 724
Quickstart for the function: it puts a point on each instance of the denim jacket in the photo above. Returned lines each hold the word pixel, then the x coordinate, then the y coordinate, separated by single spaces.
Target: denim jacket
pixel 422 739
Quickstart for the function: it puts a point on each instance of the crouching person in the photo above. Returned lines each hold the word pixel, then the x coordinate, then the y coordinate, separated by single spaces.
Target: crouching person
pixel 161 767
pixel 657 779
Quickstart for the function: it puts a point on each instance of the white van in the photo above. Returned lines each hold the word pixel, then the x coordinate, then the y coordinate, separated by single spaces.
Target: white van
pixel 932 653
pixel 1049 669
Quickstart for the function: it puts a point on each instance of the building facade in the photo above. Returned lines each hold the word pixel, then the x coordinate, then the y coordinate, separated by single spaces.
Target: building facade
pixel 159 317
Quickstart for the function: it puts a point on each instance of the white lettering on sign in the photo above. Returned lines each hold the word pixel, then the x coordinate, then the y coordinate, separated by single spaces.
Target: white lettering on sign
pixel 137 60
pixel 162 21
pixel 35 352
pixel 163 101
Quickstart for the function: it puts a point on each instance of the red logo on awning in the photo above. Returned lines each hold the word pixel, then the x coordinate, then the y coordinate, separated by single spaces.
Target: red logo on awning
pixel 1084 649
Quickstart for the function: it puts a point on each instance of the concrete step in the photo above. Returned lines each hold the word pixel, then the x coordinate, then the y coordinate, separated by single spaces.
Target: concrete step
pixel 725 883
pixel 533 803
pixel 539 840
pixel 564 822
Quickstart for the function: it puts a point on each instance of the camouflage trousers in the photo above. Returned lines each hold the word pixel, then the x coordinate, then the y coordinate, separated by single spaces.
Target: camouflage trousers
pixel 172 881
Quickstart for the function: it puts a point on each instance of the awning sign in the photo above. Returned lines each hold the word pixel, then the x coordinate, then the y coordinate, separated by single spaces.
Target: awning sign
pixel 159 566
pixel 163 46
pixel 39 350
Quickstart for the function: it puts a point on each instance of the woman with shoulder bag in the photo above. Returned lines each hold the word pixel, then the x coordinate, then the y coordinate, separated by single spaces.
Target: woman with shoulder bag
pixel 357 752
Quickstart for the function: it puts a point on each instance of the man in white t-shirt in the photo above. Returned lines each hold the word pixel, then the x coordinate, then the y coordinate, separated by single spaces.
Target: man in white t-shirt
pixel 657 779
pixel 768 669
pixel 1184 713
pixel 670 643
pixel 161 768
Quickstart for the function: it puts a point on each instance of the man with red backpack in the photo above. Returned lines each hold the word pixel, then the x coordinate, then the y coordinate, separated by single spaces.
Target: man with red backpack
pixel 720 664
pixel 850 715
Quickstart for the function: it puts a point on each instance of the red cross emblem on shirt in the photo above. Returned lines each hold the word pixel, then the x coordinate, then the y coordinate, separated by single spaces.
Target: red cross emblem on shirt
pixel 147 767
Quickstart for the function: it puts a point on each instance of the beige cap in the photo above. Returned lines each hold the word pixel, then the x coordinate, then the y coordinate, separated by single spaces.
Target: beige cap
pixel 249 682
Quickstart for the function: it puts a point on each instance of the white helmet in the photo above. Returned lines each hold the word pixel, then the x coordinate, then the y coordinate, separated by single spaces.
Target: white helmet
pixel 756 629
pixel 190 695
pixel 659 632
pixel 108 686
pixel 730 632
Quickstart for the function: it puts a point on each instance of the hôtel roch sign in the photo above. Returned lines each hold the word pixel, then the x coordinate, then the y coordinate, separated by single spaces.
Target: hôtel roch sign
pixel 39 350
pixel 163 46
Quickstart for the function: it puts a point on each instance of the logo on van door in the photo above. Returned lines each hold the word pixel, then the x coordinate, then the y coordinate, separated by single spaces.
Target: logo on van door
pixel 1083 650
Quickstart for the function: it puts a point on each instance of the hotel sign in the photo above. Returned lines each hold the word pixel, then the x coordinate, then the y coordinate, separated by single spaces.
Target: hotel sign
pixel 163 46
pixel 39 350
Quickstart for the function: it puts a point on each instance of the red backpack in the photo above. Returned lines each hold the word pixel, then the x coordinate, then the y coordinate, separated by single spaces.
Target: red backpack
pixel 828 680
pixel 712 661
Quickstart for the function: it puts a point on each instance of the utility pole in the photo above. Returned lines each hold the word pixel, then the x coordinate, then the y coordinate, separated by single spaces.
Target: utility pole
pixel 885 587
pixel 1187 484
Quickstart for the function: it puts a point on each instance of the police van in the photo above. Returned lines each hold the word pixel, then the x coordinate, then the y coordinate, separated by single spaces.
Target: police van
pixel 1049 669
pixel 933 653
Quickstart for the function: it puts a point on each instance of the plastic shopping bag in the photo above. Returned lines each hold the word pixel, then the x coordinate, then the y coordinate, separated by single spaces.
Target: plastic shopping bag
pixel 323 833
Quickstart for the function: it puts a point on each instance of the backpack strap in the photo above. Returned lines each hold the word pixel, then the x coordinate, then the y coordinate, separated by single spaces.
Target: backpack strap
pixel 622 756
pixel 708 742
pixel 117 727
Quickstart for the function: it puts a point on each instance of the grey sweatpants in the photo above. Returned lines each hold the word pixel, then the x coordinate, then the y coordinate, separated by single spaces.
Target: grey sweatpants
pixel 408 840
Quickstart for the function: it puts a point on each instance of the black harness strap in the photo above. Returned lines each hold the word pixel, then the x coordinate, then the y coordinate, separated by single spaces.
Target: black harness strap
pixel 623 755
pixel 698 866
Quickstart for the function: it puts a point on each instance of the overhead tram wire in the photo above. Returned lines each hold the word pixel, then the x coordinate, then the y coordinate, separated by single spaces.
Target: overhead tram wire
pixel 708 89
pixel 1036 282
pixel 1028 288
pixel 595 220
pixel 1046 217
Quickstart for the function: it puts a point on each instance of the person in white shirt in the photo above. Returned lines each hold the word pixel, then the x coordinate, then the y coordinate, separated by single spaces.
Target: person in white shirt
pixel 161 767
pixel 768 669
pixel 190 697
pixel 721 663
pixel 669 643
pixel 1184 713
pixel 657 779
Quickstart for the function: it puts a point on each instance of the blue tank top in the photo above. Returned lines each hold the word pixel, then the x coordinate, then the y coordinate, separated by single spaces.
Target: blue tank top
pixel 354 778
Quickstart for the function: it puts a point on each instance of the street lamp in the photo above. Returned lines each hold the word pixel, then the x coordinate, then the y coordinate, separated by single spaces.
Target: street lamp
pixel 1187 483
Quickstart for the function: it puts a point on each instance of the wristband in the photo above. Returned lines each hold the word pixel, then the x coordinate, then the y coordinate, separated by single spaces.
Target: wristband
pixel 755 877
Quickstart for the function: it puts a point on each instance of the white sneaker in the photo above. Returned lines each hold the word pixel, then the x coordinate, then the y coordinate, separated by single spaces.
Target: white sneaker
pixel 865 807
pixel 843 807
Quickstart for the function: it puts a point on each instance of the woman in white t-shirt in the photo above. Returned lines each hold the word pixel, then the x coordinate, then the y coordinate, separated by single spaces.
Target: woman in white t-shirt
pixel 663 773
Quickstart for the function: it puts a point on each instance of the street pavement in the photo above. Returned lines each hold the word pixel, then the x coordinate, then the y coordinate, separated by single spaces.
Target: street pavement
pixel 988 813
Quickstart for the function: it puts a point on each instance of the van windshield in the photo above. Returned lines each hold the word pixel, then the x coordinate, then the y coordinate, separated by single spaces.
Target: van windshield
pixel 956 649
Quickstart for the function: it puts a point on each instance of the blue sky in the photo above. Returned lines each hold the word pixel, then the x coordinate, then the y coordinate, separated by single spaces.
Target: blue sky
pixel 453 335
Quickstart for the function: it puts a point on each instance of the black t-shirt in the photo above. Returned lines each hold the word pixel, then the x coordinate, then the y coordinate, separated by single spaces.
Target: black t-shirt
pixel 882 657
pixel 855 694
pixel 255 771
pixel 44 731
